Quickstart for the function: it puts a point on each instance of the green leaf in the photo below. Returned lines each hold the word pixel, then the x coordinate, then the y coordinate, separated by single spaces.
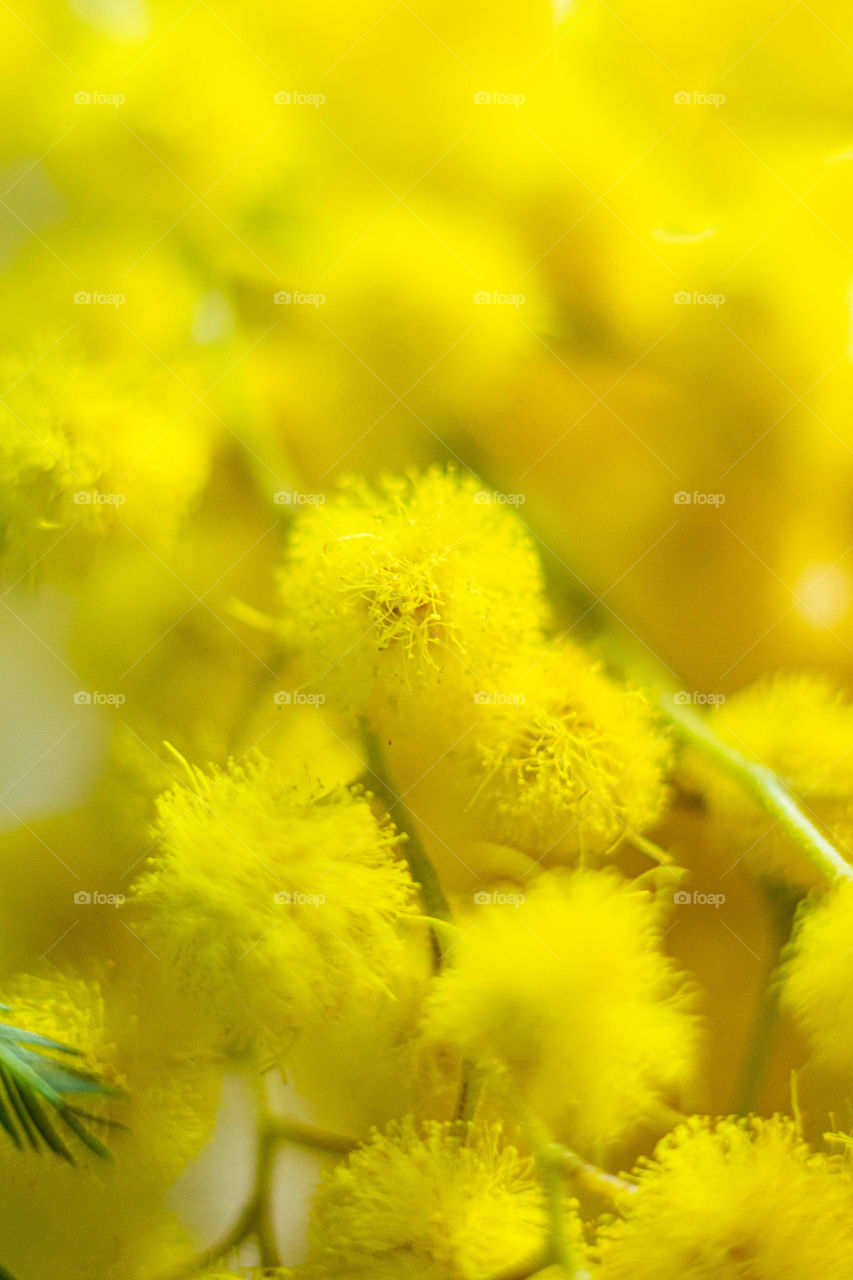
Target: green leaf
pixel 33 1096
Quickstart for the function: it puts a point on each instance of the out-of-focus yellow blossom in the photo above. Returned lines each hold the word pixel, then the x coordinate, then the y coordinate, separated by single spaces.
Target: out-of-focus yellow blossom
pixel 271 901
pixel 800 727
pixel 562 761
pixel 83 453
pixel 420 586
pixel 818 977
pixel 107 1218
pixel 733 1200
pixel 436 1202
pixel 373 1063
pixel 570 995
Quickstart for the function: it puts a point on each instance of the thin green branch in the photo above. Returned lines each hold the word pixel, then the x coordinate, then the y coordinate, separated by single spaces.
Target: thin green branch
pixel 308 1135
pixel 590 1178
pixel 763 785
pixel 423 872
pixel 783 908
pixel 549 1157
pixel 255 1220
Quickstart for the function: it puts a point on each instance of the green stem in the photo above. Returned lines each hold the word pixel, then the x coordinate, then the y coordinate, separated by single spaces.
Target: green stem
pixel 763 784
pixel 783 908
pixel 590 1178
pixel 423 872
pixel 549 1159
pixel 255 1219
pixel 470 1091
pixel 307 1135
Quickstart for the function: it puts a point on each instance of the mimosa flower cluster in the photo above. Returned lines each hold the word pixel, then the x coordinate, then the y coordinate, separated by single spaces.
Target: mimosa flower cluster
pixel 476 1002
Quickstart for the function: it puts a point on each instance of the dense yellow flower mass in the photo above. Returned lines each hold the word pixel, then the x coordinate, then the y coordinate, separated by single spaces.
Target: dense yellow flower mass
pixel 731 1200
pixel 407 408
pixel 568 992
pixel 273 901
pixel 434 1203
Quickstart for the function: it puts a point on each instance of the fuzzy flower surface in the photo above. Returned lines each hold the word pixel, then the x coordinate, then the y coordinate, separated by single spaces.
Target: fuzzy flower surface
pixel 430 1202
pixel 570 995
pixel 817 977
pixel 564 760
pixel 272 901
pixel 735 1200
pixel 417 582
pixel 799 726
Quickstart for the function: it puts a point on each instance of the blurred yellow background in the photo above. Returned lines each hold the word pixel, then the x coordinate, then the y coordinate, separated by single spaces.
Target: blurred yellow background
pixel 597 252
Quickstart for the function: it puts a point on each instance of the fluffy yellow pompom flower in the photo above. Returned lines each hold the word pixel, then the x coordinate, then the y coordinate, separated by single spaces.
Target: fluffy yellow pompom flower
pixel 569 994
pixel 276 904
pixel 818 977
pixel 437 1202
pixel 81 455
pixel 420 583
pixel 731 1201
pixel 562 761
pixel 800 727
